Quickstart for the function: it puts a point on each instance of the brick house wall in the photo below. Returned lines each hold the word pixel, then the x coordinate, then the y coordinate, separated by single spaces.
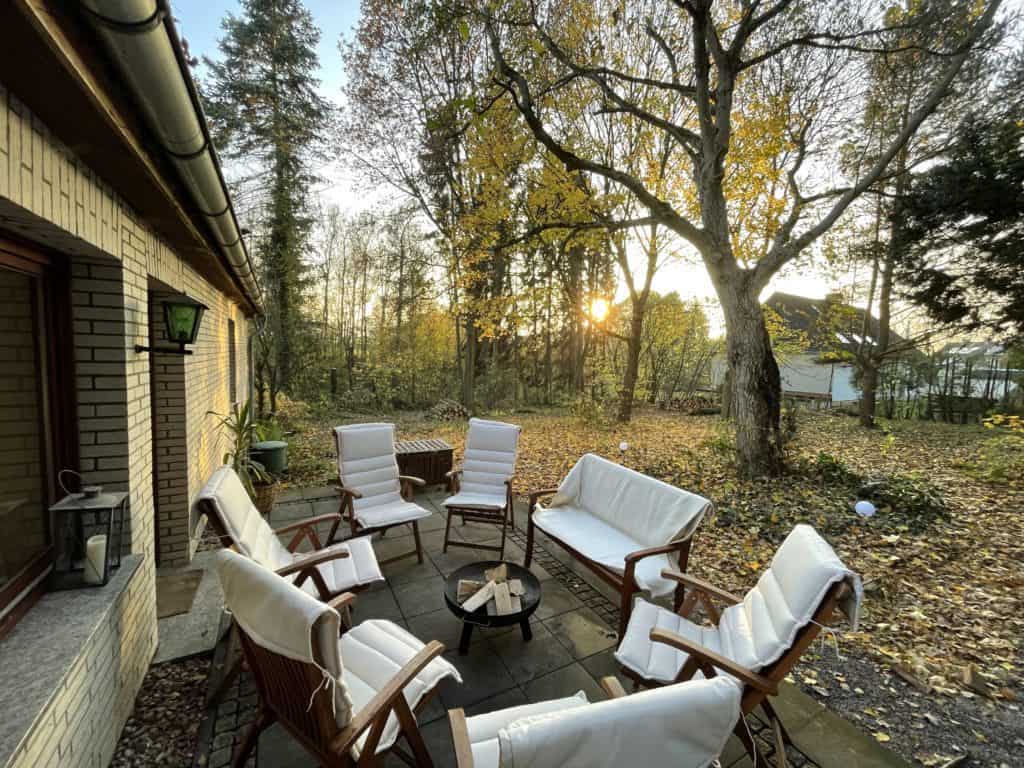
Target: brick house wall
pixel 49 196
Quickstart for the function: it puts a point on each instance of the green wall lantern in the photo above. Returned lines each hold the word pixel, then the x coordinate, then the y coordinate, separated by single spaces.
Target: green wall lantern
pixel 182 317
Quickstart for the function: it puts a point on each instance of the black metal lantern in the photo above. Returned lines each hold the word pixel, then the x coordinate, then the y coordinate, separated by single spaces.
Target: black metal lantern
pixel 182 317
pixel 87 528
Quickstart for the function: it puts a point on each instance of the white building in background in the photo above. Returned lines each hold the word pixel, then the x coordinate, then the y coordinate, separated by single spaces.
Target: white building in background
pixel 831 327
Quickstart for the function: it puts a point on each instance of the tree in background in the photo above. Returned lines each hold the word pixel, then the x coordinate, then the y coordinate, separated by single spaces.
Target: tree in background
pixel 962 245
pixel 725 63
pixel 266 114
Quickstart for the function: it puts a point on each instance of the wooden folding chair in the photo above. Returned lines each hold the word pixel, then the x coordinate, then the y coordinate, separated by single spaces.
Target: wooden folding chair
pixel 797 596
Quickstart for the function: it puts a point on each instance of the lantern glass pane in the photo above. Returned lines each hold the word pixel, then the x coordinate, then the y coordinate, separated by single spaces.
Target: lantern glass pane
pixel 182 321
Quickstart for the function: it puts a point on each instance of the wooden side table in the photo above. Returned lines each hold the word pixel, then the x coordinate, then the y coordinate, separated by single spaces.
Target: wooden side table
pixel 429 459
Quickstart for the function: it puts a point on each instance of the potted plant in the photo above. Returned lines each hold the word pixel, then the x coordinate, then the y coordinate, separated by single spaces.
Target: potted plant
pixel 243 431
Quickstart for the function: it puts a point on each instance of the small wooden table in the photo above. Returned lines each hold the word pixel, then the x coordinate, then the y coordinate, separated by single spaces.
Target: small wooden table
pixel 480 618
pixel 429 459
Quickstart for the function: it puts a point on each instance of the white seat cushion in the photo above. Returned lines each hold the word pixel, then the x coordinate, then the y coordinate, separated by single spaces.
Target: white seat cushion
pixel 477 500
pixel 759 629
pixel 244 524
pixel 357 570
pixel 657 661
pixel 390 513
pixel 371 655
pixel 483 729
pixel 603 543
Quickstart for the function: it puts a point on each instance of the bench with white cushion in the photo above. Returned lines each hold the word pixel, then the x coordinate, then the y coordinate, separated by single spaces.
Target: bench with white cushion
pixel 340 694
pixel 330 569
pixel 374 496
pixel 685 726
pixel 623 525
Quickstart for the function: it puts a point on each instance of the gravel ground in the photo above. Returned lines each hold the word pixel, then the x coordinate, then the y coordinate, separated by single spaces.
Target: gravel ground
pixel 928 729
pixel 162 729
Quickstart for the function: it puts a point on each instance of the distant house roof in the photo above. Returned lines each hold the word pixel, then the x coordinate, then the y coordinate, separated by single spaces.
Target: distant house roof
pixel 830 324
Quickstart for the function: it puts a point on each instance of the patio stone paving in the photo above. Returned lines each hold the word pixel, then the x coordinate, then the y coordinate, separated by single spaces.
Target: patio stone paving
pixel 573 641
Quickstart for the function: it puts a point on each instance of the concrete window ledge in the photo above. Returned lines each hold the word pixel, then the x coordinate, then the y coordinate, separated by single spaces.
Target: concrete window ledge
pixel 42 659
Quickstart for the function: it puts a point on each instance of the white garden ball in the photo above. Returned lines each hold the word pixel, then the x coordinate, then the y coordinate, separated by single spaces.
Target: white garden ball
pixel 623 447
pixel 864 508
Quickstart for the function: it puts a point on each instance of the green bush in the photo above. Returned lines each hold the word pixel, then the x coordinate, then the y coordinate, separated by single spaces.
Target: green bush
pixel 905 500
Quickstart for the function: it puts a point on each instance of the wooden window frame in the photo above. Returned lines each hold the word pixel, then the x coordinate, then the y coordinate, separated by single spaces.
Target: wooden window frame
pixel 232 364
pixel 58 417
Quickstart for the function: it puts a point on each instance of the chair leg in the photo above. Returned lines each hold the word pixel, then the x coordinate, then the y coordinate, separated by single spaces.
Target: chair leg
pixel 248 741
pixel 529 541
pixel 412 733
pixel 776 722
pixel 747 739
pixel 416 535
pixel 447 529
pixel 504 526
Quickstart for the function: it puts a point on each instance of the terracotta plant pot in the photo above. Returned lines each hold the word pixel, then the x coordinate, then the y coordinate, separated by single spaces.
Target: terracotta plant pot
pixel 266 495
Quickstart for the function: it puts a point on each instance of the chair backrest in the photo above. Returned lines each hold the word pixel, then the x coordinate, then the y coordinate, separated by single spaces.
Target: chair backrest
pixel 291 642
pixel 228 507
pixel 490 456
pixel 650 511
pixel 686 725
pixel 366 462
pixel 802 576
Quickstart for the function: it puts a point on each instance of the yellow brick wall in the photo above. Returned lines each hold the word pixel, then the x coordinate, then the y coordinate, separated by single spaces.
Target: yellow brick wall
pixel 49 195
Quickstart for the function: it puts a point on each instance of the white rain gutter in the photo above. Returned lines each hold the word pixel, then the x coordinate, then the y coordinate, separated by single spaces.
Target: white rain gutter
pixel 144 45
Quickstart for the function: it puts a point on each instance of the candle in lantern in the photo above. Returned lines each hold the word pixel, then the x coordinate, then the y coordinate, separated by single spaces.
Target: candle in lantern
pixel 95 559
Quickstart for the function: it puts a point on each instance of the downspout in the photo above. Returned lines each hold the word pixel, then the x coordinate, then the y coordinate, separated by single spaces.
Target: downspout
pixel 144 46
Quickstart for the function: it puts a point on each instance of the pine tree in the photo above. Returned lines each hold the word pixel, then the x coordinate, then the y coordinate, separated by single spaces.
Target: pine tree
pixel 263 102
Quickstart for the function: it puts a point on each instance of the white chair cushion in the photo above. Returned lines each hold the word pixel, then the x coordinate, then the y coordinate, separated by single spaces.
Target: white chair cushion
pixel 756 631
pixel 490 456
pixel 372 654
pixel 657 661
pixel 283 619
pixel 357 570
pixel 245 525
pixel 684 725
pixel 366 463
pixel 393 513
pixel 471 500
pixel 604 543
pixel 760 629
pixel 483 729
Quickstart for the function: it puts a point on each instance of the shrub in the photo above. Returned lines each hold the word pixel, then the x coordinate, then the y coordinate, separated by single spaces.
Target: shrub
pixel 905 500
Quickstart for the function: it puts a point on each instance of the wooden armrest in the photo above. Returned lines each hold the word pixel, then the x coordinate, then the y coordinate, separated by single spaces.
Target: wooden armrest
pixel 346 491
pixel 534 495
pixel 709 657
pixel 311 561
pixel 640 554
pixel 417 481
pixel 460 738
pixel 342 601
pixel 330 517
pixel 380 705
pixel 613 687
pixel 701 586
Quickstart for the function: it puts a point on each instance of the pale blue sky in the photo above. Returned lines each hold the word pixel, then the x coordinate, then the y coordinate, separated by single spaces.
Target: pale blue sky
pixel 199 23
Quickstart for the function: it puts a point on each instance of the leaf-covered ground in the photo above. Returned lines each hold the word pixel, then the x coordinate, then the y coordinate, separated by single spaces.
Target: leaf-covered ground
pixel 943 610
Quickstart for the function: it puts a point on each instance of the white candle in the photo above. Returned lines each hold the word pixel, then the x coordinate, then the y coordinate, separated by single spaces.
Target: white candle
pixel 95 559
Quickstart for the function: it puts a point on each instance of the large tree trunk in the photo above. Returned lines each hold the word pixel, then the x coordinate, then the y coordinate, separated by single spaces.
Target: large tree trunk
pixel 755 385
pixel 469 371
pixel 629 376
